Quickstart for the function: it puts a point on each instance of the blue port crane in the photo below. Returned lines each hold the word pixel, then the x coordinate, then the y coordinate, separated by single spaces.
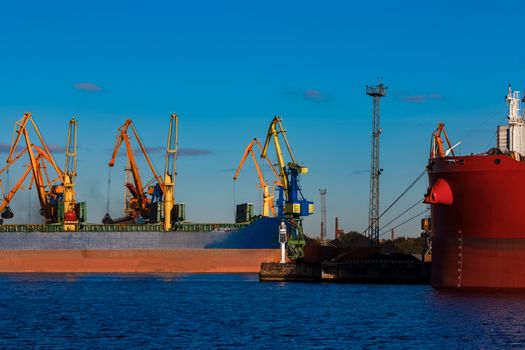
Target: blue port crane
pixel 292 205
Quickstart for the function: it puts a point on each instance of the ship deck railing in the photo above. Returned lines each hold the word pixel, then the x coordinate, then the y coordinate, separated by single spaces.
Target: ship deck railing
pixel 178 227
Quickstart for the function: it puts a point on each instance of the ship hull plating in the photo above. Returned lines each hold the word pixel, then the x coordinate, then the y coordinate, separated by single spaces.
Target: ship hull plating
pixel 218 250
pixel 478 240
pixel 136 260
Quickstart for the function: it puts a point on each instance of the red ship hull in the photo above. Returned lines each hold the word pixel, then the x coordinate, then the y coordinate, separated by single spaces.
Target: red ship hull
pixel 478 238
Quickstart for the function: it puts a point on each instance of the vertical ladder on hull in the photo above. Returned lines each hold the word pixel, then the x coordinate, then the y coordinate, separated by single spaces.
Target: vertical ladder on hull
pixel 460 258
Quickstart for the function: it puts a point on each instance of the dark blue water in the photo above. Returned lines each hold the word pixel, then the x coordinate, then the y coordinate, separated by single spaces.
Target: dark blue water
pixel 236 311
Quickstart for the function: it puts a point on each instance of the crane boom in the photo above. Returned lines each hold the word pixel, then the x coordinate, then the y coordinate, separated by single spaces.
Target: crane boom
pixel 295 206
pixel 249 149
pixel 123 136
pixel 70 167
pixel 268 204
pixel 43 191
pixel 273 133
pixel 146 155
pixel 68 177
pixel 16 187
pixel 141 202
pixel 170 170
pixel 437 142
pixel 22 129
pixel 36 171
pixel 13 160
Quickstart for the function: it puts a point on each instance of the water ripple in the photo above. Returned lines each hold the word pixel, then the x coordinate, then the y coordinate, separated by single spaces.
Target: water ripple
pixel 236 311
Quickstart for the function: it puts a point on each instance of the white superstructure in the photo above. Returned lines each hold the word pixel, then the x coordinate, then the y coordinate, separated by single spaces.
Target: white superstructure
pixel 511 137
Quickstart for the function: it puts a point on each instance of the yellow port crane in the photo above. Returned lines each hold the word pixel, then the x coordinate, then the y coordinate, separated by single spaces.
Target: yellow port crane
pixel 140 203
pixel 273 133
pixel 170 171
pixel 69 176
pixel 52 191
pixel 268 199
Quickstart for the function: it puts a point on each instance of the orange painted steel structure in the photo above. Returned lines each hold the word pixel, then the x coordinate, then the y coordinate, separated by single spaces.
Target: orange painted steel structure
pixel 48 190
pixel 9 196
pixel 140 202
pixel 437 142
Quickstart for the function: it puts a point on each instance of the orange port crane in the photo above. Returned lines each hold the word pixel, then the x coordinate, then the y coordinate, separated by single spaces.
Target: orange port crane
pixel 140 203
pixel 268 199
pixel 6 211
pixel 51 191
pixel 436 144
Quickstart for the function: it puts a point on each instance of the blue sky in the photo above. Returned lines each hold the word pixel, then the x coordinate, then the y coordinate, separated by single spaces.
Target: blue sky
pixel 228 67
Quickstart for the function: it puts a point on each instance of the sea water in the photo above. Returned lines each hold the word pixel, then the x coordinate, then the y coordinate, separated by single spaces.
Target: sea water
pixel 67 311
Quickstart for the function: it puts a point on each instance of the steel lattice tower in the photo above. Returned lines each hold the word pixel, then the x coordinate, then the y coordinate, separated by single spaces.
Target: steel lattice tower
pixel 322 192
pixel 376 92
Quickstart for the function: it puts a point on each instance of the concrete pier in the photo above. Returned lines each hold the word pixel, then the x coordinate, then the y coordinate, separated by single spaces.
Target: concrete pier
pixel 385 271
pixel 302 272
